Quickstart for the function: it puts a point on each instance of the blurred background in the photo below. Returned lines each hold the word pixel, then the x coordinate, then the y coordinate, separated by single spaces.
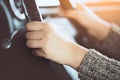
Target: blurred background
pixel 107 9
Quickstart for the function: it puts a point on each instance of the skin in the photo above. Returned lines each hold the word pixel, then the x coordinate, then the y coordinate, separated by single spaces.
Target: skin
pixel 95 26
pixel 50 44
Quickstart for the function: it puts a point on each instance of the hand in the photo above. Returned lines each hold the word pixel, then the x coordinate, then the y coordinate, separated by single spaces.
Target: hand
pixel 52 45
pixel 95 26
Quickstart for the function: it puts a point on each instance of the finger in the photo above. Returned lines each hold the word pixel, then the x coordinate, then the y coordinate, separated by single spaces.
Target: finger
pixel 35 25
pixel 35 43
pixel 34 35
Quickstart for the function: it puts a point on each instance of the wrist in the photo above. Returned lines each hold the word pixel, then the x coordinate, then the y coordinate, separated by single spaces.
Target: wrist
pixel 78 53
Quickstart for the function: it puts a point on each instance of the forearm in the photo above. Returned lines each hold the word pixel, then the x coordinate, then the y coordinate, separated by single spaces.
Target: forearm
pixel 99 29
pixel 93 65
pixel 109 46
pixel 96 66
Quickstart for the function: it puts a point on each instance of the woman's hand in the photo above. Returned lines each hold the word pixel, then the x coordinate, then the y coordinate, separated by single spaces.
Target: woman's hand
pixel 95 26
pixel 52 45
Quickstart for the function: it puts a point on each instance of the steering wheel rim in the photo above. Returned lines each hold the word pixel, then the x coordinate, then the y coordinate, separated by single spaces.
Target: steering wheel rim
pixel 6 24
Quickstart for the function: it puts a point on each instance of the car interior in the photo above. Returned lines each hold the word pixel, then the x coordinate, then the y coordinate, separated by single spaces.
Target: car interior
pixel 17 61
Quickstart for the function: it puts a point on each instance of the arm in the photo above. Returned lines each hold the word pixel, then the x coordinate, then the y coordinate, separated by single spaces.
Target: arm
pixel 95 26
pixel 53 46
pixel 96 66
pixel 101 33
pixel 109 46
